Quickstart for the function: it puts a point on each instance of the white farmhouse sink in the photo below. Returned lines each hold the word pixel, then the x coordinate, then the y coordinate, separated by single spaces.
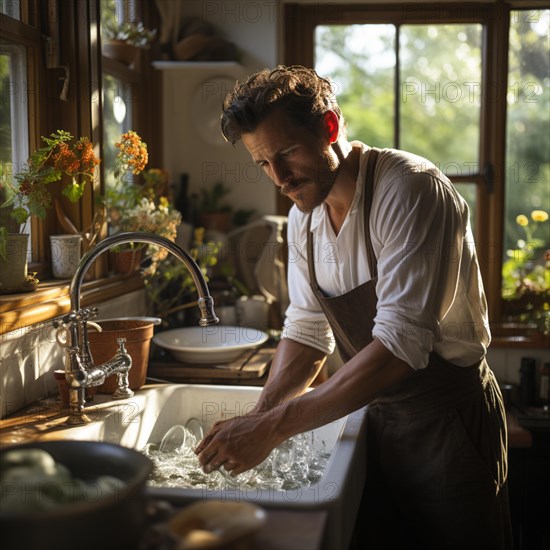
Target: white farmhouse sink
pixel 152 411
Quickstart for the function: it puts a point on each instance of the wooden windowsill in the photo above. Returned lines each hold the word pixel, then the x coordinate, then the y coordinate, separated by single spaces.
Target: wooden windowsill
pixel 521 342
pixel 515 335
pixel 52 299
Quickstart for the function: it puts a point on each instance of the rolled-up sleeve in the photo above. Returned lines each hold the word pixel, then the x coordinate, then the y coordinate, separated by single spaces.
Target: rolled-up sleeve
pixel 418 241
pixel 305 321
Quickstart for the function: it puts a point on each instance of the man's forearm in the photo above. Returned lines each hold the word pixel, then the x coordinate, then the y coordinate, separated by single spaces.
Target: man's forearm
pixel 293 369
pixel 363 378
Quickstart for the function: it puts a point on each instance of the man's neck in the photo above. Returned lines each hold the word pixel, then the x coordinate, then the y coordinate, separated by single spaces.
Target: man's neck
pixel 341 196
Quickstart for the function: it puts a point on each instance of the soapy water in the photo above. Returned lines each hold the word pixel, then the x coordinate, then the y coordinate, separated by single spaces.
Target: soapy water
pixel 293 464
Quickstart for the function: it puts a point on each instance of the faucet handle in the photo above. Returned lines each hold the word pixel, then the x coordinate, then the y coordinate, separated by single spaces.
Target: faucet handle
pixel 62 336
pixel 121 347
pixel 86 313
pixel 94 325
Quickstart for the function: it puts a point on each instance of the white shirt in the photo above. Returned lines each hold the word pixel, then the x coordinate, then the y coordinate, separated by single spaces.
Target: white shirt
pixel 429 288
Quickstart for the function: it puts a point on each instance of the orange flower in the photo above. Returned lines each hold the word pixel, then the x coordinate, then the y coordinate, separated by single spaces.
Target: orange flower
pixel 59 157
pixel 88 160
pixel 133 154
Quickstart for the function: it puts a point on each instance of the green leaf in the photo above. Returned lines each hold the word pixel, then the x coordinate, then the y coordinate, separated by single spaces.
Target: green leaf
pixel 20 215
pixel 74 191
pixel 48 174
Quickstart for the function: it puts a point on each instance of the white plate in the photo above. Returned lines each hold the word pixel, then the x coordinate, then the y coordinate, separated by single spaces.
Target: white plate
pixel 210 345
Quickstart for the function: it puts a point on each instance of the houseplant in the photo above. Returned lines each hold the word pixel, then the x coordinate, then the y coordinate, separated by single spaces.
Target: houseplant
pixel 526 275
pixel 124 39
pixel 170 287
pixel 63 160
pixel 211 212
pixel 132 206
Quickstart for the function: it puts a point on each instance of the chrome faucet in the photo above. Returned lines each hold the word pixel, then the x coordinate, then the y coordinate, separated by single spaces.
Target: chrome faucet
pixel 80 370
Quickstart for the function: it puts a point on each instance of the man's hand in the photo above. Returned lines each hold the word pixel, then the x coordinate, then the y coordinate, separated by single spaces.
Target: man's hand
pixel 238 444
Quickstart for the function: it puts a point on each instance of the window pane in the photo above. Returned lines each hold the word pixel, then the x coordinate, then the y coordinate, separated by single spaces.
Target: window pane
pixel 11 8
pixel 440 73
pixel 113 11
pixel 469 192
pixel 528 146
pixel 117 119
pixel 360 59
pixel 14 149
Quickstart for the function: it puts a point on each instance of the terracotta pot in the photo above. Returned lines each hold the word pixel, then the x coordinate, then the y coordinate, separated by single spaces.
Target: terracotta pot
pixel 215 221
pixel 128 260
pixel 63 387
pixel 120 51
pixel 103 345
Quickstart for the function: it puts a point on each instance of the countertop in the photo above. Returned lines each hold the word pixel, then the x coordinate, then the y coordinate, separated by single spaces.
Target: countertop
pixel 517 435
pixel 283 530
pixel 48 416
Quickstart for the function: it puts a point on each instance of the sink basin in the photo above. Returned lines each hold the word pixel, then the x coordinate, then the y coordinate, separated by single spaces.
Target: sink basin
pixel 152 411
pixel 210 345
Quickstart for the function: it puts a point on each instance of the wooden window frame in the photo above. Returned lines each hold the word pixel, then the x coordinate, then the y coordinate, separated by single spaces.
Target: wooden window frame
pixel 300 23
pixel 74 32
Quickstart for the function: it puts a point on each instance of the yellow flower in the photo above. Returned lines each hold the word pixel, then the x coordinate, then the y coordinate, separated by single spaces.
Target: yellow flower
pixel 539 215
pixel 522 220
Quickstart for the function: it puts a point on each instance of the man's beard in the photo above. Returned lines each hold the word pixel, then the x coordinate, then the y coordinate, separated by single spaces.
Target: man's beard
pixel 321 184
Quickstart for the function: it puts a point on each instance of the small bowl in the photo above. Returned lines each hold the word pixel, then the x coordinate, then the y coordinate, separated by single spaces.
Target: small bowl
pixel 116 520
pixel 210 345
pixel 215 524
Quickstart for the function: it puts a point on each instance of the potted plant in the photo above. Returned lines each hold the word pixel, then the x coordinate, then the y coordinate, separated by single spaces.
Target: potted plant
pixel 122 40
pixel 526 276
pixel 62 159
pixel 132 206
pixel 211 212
pixel 170 287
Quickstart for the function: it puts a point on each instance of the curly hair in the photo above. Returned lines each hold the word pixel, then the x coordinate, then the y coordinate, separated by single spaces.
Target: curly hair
pixel 300 92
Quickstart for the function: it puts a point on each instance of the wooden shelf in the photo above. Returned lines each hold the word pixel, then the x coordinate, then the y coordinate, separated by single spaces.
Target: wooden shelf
pixel 197 65
pixel 52 299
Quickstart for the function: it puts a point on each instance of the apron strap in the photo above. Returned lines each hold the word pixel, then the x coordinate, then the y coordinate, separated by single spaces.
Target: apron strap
pixel 369 194
pixel 367 204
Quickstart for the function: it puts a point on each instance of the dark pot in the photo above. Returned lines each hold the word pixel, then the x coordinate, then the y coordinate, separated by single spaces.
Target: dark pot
pixel 116 521
pixel 120 50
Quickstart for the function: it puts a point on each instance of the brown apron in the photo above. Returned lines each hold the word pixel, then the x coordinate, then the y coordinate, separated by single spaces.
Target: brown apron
pixel 436 443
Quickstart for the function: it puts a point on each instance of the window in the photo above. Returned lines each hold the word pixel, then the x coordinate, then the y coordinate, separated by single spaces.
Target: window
pixel 435 85
pixel 117 118
pixel 52 74
pixel 14 136
pixel 527 147
pixel 432 79
pixel 117 89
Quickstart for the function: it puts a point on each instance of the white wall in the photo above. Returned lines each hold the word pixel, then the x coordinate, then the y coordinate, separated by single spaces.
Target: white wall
pixel 195 93
pixel 256 27
pixel 29 356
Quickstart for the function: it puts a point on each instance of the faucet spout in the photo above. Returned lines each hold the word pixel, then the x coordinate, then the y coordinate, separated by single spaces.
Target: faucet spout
pixel 80 370
pixel 206 304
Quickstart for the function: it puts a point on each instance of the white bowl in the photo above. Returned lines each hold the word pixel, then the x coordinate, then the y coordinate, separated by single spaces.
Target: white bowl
pixel 210 345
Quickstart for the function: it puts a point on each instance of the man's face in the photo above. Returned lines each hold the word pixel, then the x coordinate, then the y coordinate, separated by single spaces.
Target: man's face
pixel 302 165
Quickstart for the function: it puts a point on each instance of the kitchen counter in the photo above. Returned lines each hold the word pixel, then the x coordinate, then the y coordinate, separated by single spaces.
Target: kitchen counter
pixel 48 416
pixel 518 437
pixel 283 530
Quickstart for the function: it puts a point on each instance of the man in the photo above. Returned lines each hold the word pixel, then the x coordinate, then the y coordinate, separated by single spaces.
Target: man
pixel 382 258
